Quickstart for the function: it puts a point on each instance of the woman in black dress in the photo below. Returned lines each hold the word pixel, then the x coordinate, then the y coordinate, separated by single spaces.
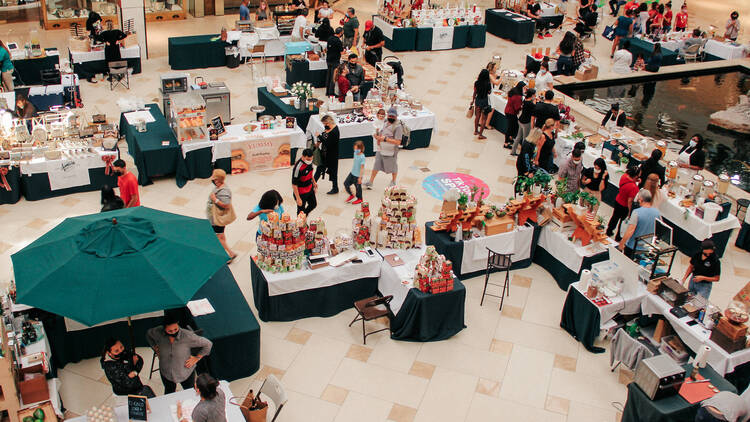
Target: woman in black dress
pixel 328 143
pixel 594 179
pixel 651 165
pixel 481 102
pixel 546 152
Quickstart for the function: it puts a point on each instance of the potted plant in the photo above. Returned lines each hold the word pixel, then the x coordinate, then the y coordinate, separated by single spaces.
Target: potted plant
pixel 542 179
pixel 624 161
pixel 600 220
pixel 463 201
pixel 303 91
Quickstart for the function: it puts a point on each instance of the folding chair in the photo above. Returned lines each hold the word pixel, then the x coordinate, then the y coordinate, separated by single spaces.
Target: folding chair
pixel 50 77
pixel 275 391
pixel 118 74
pixel 258 51
pixel 369 309
pixel 500 262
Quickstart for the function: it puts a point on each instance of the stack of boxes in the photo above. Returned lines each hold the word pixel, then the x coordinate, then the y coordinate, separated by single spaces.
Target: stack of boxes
pixel 434 273
pixel 281 246
pixel 361 226
pixel 317 237
pixel 397 228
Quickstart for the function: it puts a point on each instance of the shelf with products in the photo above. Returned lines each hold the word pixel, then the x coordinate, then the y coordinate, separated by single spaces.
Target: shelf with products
pixel 165 10
pixel 188 116
pixel 55 16
pixel 654 255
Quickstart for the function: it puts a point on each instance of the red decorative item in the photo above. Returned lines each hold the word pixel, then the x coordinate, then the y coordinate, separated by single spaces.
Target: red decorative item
pixel 108 160
pixel 3 173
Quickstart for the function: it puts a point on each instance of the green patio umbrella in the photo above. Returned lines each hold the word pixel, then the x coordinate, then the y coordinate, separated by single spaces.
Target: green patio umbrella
pixel 100 267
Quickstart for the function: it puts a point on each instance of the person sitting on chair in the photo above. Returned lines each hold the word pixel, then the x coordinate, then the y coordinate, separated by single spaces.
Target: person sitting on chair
pixel 121 368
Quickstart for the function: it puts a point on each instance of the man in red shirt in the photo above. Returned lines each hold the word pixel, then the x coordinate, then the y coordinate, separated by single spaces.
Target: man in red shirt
pixel 303 183
pixel 631 5
pixel 623 201
pixel 128 184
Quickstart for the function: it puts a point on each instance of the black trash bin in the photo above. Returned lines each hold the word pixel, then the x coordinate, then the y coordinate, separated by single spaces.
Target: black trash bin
pixel 233 57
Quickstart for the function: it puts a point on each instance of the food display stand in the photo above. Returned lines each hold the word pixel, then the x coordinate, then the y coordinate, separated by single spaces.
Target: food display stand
pixel 509 25
pixel 165 11
pixel 155 151
pixel 60 15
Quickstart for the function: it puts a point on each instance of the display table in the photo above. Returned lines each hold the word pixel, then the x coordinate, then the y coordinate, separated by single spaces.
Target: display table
pixel 640 408
pixel 695 336
pixel 563 259
pixel 276 107
pixel 646 47
pixel 155 151
pixel 498 103
pixel 509 25
pixel 313 72
pixel 307 293
pixel 86 64
pixel 431 38
pixel 469 257
pixel 419 316
pixel 422 126
pixel 743 237
pixel 162 406
pixel 14 182
pixel 196 52
pixel 30 70
pixel 42 179
pixel 584 320
pixel 232 328
pixel 717 50
pixel 396 39
pixel 533 64
pixel 262 150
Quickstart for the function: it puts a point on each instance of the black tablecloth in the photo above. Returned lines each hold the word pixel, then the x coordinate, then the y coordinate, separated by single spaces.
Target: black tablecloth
pixel 477 36
pixel 454 251
pixel 87 70
pixel 581 319
pixel 743 237
pixel 321 302
pixel 639 408
pixel 404 39
pixel 196 52
pixel 275 107
pixel 424 39
pixel 299 70
pixel 232 328
pixel 197 164
pixel 150 156
pixel 645 48
pixel 500 25
pixel 430 317
pixel 14 181
pixel 563 275
pixel 36 186
pixel 690 246
pixel 30 70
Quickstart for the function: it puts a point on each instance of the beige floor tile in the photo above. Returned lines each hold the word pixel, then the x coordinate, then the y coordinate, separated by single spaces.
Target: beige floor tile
pixel 521 281
pixel 463 170
pixel 335 395
pixel 448 397
pixel 557 405
pixel 298 336
pixel 511 311
pixel 96 392
pixel 420 163
pixel 360 353
pixel 501 347
pixel 461 358
pixel 407 181
pixel 742 272
pixel 4 246
pixel 565 362
pixel 333 211
pixel 70 201
pixel 596 391
pixel 315 365
pixel 382 383
pixel 469 154
pixel 528 369
pixel 422 370
pixel 278 353
pixel 488 387
pixel 299 407
pixel 401 413
pixel 358 407
pixel 580 412
pixel 396 355
pixel 485 408
pixel 36 223
pixel 180 201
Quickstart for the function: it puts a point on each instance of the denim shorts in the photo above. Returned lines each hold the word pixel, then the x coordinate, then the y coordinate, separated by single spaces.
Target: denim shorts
pixel 702 288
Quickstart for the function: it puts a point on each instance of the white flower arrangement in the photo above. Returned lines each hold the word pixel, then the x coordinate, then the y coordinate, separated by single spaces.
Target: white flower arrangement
pixel 302 90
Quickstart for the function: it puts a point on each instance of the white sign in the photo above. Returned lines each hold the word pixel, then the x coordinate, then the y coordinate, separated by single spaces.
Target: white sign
pixel 442 38
pixel 68 174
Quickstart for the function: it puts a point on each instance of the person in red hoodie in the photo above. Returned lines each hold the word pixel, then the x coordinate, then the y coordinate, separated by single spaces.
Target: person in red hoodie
pixel 631 5
pixel 681 20
pixel 512 108
pixel 623 201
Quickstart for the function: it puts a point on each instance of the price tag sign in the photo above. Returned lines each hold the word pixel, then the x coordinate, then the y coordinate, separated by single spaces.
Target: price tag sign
pixel 137 408
pixel 217 124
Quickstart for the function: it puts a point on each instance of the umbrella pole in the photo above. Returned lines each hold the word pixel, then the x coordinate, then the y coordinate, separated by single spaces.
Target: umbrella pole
pixel 132 336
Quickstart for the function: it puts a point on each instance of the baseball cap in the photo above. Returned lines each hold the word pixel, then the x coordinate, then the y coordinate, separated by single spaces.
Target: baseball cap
pixel 368 25
pixel 393 112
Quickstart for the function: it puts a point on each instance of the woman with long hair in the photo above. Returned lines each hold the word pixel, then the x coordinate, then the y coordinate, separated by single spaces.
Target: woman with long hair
pixel 565 49
pixel 594 179
pixel 546 152
pixel 342 82
pixel 524 120
pixel 328 143
pixel 263 12
pixel 652 166
pixel 525 160
pixel 692 155
pixel 121 367
pixel 495 83
pixel 512 108
pixel 212 405
pixel 481 101
pixel 654 62
pixel 270 201
pixel 324 31
pixel 6 67
pixel 623 27
pixel 652 185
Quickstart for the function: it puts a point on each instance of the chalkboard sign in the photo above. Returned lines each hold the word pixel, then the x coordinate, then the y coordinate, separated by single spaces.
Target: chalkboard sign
pixel 218 125
pixel 137 408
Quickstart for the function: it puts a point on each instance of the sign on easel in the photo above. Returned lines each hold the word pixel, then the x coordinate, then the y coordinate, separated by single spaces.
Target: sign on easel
pixel 138 408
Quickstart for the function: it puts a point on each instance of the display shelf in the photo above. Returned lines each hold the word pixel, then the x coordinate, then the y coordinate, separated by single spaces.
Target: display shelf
pixel 656 256
pixel 51 18
pixel 165 12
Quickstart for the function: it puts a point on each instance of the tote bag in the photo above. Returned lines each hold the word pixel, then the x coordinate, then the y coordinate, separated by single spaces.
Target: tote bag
pixel 223 216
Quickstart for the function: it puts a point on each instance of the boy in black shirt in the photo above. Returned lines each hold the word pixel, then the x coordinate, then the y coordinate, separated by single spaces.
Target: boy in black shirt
pixel 706 269
pixel 303 183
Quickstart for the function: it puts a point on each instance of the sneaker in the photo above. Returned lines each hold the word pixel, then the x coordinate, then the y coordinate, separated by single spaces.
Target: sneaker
pixel 349 199
pixel 541 37
pixel 357 202
pixel 368 185
pixel 548 35
pixel 333 192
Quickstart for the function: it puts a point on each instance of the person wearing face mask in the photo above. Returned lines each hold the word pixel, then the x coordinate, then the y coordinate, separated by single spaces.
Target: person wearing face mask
pixel 355 76
pixel 544 78
pixel 641 223
pixel 304 184
pixel 572 170
pixel 270 202
pixel 614 117
pixel 328 143
pixel 388 141
pixel 220 197
pixel 128 184
pixel 705 269
pixel 733 27
pixel 691 155
pixel 355 176
pixel 174 347
pixel 594 179
pixel 212 405
pixel 121 368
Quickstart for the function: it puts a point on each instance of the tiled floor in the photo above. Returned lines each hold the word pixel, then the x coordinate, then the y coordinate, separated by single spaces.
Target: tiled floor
pixel 514 365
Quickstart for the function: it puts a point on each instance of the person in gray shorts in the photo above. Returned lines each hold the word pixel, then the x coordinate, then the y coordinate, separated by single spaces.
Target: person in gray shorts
pixel 388 140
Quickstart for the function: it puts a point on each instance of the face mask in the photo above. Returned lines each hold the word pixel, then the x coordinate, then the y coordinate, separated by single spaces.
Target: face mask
pixel 391 120
pixel 576 162
pixel 693 143
pixel 308 162
pixel 357 152
pixel 542 72
pixel 597 171
pixel 173 334
pixel 353 65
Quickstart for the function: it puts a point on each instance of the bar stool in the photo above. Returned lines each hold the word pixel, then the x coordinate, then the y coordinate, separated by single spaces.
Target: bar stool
pixel 499 262
pixel 742 203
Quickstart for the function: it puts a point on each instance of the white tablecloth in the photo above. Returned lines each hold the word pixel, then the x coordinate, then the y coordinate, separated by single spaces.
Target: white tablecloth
pixel 563 147
pixel 557 244
pixel 442 38
pixel 384 26
pixel 318 65
pixel 235 134
pixel 307 279
pixel 548 9
pixel 621 305
pixel 695 336
pixel 725 50
pixel 67 172
pixel 498 102
pixel 425 119
pixel 391 277
pixel 161 406
pixel 518 242
pixel 133 52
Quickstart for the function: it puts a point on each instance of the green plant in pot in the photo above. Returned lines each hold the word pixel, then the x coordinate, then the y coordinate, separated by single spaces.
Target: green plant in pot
pixel 600 220
pixel 542 179
pixel 570 197
pixel 624 161
pixel 592 201
pixel 489 215
pixel 463 200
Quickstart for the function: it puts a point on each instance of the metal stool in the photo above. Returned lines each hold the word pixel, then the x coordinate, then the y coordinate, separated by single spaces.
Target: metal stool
pixel 742 203
pixel 499 262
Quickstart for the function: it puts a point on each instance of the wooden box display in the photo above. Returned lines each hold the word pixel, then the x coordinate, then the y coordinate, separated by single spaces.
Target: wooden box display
pixel 673 292
pixel 49 412
pixel 33 388
pixel 560 215
pixel 499 225
pixel 726 343
pixel 731 330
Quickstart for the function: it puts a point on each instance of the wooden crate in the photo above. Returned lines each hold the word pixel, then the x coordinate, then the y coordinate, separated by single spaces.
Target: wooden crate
pixel 49 412
pixel 499 225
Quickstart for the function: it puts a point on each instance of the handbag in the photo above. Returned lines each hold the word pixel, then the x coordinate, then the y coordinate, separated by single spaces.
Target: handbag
pixel 609 33
pixel 223 216
pixel 317 156
pixel 470 111
pixel 252 410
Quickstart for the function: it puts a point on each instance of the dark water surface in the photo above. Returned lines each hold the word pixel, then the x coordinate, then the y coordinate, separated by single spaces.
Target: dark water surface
pixel 677 109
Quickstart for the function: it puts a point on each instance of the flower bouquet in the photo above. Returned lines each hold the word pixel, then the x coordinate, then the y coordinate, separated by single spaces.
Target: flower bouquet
pixel 303 91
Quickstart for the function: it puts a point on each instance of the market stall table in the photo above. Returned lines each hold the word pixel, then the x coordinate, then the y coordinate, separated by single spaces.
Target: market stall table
pixel 469 257
pixel 718 50
pixel 263 149
pixel 155 151
pixel 313 72
pixel 639 407
pixel 584 320
pixel 646 48
pixel 196 52
pixel 743 237
pixel 419 316
pixel 563 259
pixel 421 126
pixel 163 408
pixel 233 329
pixel 498 101
pixel 276 107
pixel 305 293
pixel 396 39
pixel 86 64
pixel 509 25
pixel 30 69
pixel 431 38
pixel 13 178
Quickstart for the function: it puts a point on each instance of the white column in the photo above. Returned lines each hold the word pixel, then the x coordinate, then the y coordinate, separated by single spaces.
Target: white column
pixel 134 9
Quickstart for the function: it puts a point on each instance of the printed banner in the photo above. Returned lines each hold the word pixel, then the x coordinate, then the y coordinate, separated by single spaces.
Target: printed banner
pixel 439 183
pixel 260 154
pixel 68 174
pixel 442 38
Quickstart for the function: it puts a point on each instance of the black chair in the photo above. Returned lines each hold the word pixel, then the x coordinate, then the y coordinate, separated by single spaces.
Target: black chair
pixel 500 262
pixel 50 77
pixel 118 74
pixel 742 203
pixel 369 309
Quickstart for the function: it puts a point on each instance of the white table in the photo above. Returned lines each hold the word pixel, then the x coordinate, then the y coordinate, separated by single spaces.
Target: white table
pixel 621 304
pixel 555 241
pixel 384 26
pixel 390 281
pixel 518 242
pixel 725 50
pixel 695 336
pixel 161 406
pixel 132 52
pixel 564 146
pixel 498 102
pixel 69 171
pixel 236 136
pixel 425 119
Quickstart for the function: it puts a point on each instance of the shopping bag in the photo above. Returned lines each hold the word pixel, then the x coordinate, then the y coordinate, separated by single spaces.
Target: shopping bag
pixel 470 111
pixel 252 410
pixel 609 33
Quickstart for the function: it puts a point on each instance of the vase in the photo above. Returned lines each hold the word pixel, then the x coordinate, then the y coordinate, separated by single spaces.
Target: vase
pixel 301 103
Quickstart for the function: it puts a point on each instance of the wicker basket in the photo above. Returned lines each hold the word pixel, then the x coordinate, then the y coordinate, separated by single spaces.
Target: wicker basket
pixel 79 44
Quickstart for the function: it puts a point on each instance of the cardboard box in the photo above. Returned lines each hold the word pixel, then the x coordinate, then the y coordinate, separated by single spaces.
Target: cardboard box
pixel 586 74
pixel 499 225
pixel 726 343
pixel 33 388
pixel 731 330
pixel 662 329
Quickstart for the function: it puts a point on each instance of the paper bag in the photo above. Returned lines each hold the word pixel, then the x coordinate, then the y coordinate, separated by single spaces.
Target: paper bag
pixel 744 295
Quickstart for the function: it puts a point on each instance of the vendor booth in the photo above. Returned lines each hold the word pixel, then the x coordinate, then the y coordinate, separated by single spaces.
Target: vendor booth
pixel 509 25
pixel 87 64
pixel 155 151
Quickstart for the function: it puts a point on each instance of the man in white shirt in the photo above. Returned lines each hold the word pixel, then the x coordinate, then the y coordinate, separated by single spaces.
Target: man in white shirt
pixel 298 32
pixel 622 59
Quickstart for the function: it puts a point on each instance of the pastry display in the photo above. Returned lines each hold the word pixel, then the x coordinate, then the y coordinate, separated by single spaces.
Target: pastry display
pixel 188 116
pixel 433 273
